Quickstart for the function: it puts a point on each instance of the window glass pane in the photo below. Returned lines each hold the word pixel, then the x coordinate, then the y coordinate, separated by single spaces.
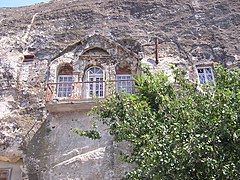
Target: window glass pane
pixel 209 77
pixel 64 88
pixel 95 75
pixel 202 78
pixel 200 70
pixel 128 90
pixel 69 79
pixel 95 70
pixel 205 75
pixel 99 71
pixel 91 86
pixel 123 84
pixel 208 70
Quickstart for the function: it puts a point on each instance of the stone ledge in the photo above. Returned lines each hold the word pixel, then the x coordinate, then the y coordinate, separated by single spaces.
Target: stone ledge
pixel 73 105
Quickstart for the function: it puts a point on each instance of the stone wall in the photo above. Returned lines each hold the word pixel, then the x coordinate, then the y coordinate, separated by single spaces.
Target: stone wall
pixel 55 152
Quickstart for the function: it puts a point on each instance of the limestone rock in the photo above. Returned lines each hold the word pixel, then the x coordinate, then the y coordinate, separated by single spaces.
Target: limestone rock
pixel 189 33
pixel 11 141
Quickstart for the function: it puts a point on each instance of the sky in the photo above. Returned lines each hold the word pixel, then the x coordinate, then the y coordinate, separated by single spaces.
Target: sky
pixel 17 3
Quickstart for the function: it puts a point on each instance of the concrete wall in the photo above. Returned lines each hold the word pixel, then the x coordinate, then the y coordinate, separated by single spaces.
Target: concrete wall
pixel 58 153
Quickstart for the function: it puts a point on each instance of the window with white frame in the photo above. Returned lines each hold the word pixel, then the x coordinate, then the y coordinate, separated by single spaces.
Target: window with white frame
pixel 65 85
pixel 95 82
pixel 64 81
pixel 124 83
pixel 5 174
pixel 205 74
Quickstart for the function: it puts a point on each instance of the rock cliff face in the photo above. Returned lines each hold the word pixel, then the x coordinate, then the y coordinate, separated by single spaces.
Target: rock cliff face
pixel 46 28
pixel 188 32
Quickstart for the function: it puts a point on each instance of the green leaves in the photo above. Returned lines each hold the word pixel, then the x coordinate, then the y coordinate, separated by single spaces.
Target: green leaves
pixel 177 131
pixel 92 134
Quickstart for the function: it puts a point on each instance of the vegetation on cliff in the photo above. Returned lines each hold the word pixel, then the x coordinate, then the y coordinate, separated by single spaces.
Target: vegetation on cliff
pixel 176 130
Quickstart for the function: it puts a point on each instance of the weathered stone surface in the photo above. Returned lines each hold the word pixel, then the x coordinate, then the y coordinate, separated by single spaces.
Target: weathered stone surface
pixel 58 153
pixel 60 23
pixel 190 33
pixel 11 140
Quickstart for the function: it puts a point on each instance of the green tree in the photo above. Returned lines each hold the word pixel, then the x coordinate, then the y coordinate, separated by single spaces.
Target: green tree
pixel 177 130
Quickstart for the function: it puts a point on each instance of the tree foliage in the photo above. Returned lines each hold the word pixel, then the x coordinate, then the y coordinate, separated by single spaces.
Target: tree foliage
pixel 178 130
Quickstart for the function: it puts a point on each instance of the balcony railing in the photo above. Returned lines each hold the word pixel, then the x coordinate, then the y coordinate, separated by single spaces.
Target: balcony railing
pixel 65 91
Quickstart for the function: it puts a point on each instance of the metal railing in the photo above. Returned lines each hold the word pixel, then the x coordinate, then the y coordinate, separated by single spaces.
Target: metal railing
pixel 86 90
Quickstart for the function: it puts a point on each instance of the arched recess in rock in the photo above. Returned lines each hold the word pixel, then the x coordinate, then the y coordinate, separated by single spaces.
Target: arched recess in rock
pixel 93 82
pixel 124 77
pixel 64 80
pixel 95 51
pixel 202 54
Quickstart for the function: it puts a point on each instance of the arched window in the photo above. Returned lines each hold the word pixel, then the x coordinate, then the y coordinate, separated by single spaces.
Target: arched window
pixel 65 79
pixel 95 82
pixel 123 78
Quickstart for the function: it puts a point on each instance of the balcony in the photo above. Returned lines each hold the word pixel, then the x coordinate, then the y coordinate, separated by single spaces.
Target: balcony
pixel 71 96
